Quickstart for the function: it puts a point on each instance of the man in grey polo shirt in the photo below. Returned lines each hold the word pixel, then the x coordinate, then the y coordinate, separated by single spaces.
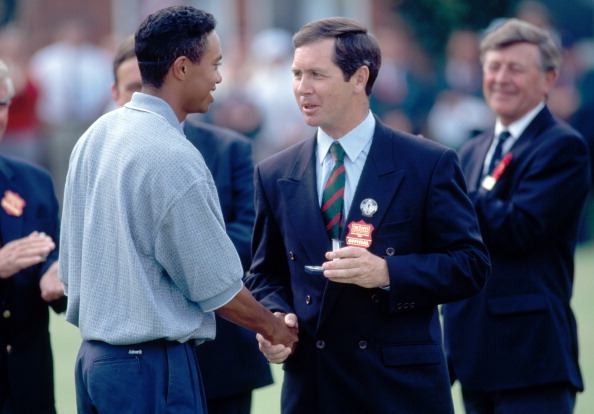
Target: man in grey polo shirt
pixel 145 259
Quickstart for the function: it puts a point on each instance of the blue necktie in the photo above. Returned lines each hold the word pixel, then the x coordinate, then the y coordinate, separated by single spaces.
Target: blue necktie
pixel 497 154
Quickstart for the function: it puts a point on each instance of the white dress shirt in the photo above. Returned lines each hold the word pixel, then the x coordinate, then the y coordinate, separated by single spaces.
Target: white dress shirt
pixel 356 144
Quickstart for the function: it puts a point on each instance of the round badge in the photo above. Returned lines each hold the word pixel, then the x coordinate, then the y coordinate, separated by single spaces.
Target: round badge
pixel 368 207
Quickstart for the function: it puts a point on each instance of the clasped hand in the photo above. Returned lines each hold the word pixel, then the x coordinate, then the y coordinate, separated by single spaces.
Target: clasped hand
pixel 278 353
pixel 22 253
pixel 28 251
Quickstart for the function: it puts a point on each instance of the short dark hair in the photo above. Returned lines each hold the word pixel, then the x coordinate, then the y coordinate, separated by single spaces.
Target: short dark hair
pixel 513 31
pixel 168 34
pixel 354 46
pixel 125 51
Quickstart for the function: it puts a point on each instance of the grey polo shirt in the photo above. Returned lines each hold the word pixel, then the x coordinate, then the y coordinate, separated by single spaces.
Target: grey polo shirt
pixel 143 251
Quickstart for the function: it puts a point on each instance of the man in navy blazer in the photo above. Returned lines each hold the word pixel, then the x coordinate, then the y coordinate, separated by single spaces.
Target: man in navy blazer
pixel 514 346
pixel 231 365
pixel 369 333
pixel 29 281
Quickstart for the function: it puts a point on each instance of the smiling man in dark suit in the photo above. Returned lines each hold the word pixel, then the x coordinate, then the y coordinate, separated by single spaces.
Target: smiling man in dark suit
pixel 369 331
pixel 29 228
pixel 513 347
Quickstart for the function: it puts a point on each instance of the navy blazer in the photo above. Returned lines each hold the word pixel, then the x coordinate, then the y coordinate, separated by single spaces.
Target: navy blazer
pixel 232 363
pixel 368 350
pixel 520 330
pixel 25 350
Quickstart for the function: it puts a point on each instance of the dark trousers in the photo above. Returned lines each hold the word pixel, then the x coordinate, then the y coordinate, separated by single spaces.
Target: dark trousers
pixel 233 404
pixel 545 399
pixel 158 377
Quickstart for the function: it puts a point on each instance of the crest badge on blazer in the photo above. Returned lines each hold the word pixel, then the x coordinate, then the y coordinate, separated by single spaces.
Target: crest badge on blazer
pixel 13 203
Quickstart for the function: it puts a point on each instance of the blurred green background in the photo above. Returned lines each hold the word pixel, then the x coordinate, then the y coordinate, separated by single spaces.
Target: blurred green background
pixel 65 340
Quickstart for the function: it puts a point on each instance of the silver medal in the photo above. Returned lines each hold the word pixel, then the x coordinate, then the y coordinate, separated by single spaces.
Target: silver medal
pixel 368 207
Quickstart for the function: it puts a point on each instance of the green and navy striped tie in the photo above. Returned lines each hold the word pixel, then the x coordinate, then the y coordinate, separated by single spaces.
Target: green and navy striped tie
pixel 333 196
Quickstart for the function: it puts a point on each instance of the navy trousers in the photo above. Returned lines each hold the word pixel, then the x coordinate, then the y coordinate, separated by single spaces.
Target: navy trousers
pixel 544 399
pixel 158 377
pixel 232 404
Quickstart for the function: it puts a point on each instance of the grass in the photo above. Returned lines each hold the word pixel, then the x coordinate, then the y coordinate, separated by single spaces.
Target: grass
pixel 65 340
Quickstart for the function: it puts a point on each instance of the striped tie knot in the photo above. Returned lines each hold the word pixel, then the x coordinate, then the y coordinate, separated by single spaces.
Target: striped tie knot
pixel 337 152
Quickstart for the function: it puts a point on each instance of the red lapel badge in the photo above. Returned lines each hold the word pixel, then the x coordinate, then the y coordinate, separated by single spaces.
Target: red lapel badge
pixel 359 234
pixel 490 180
pixel 13 203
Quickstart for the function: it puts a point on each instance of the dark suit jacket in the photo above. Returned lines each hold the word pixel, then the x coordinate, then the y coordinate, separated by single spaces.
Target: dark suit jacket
pixel 520 330
pixel 368 350
pixel 232 363
pixel 25 351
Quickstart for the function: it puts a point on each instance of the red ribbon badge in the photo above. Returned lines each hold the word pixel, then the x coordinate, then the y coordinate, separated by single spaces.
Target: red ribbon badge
pixel 490 180
pixel 13 203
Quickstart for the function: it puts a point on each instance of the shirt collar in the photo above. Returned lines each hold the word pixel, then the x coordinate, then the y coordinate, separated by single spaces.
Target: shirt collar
pixel 353 141
pixel 149 103
pixel 517 128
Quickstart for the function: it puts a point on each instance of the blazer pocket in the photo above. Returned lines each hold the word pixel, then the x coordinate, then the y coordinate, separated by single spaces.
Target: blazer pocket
pixel 531 302
pixel 412 354
pixel 396 225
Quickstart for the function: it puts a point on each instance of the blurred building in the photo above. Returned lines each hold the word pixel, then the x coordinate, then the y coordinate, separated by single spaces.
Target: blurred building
pixel 238 20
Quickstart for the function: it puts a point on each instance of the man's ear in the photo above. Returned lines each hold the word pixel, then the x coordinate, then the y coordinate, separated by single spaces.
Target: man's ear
pixel 361 77
pixel 550 78
pixel 180 67
pixel 114 92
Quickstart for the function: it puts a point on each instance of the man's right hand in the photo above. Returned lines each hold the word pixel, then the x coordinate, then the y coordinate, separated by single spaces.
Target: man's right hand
pixel 244 310
pixel 277 353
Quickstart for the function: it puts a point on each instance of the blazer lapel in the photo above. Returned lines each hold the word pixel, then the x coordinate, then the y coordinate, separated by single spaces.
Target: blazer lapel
pixel 379 181
pixel 541 120
pixel 476 172
pixel 525 142
pixel 11 227
pixel 299 191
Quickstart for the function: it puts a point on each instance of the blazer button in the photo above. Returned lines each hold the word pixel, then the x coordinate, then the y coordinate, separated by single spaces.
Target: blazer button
pixel 308 300
pixel 412 305
pixel 8 349
pixel 362 344
pixel 320 344
pixel 399 306
pixel 375 298
pixel 6 314
pixel 390 251
pixel 292 255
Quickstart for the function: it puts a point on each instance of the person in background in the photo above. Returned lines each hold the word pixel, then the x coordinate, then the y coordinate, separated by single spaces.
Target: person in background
pixel 73 77
pixel 145 259
pixel 370 338
pixel 514 347
pixel 231 364
pixel 29 283
pixel 268 84
pixel 22 138
pixel 459 111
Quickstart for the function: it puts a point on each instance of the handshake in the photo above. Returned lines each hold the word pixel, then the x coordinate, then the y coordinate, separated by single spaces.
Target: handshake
pixel 278 353
pixel 276 333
